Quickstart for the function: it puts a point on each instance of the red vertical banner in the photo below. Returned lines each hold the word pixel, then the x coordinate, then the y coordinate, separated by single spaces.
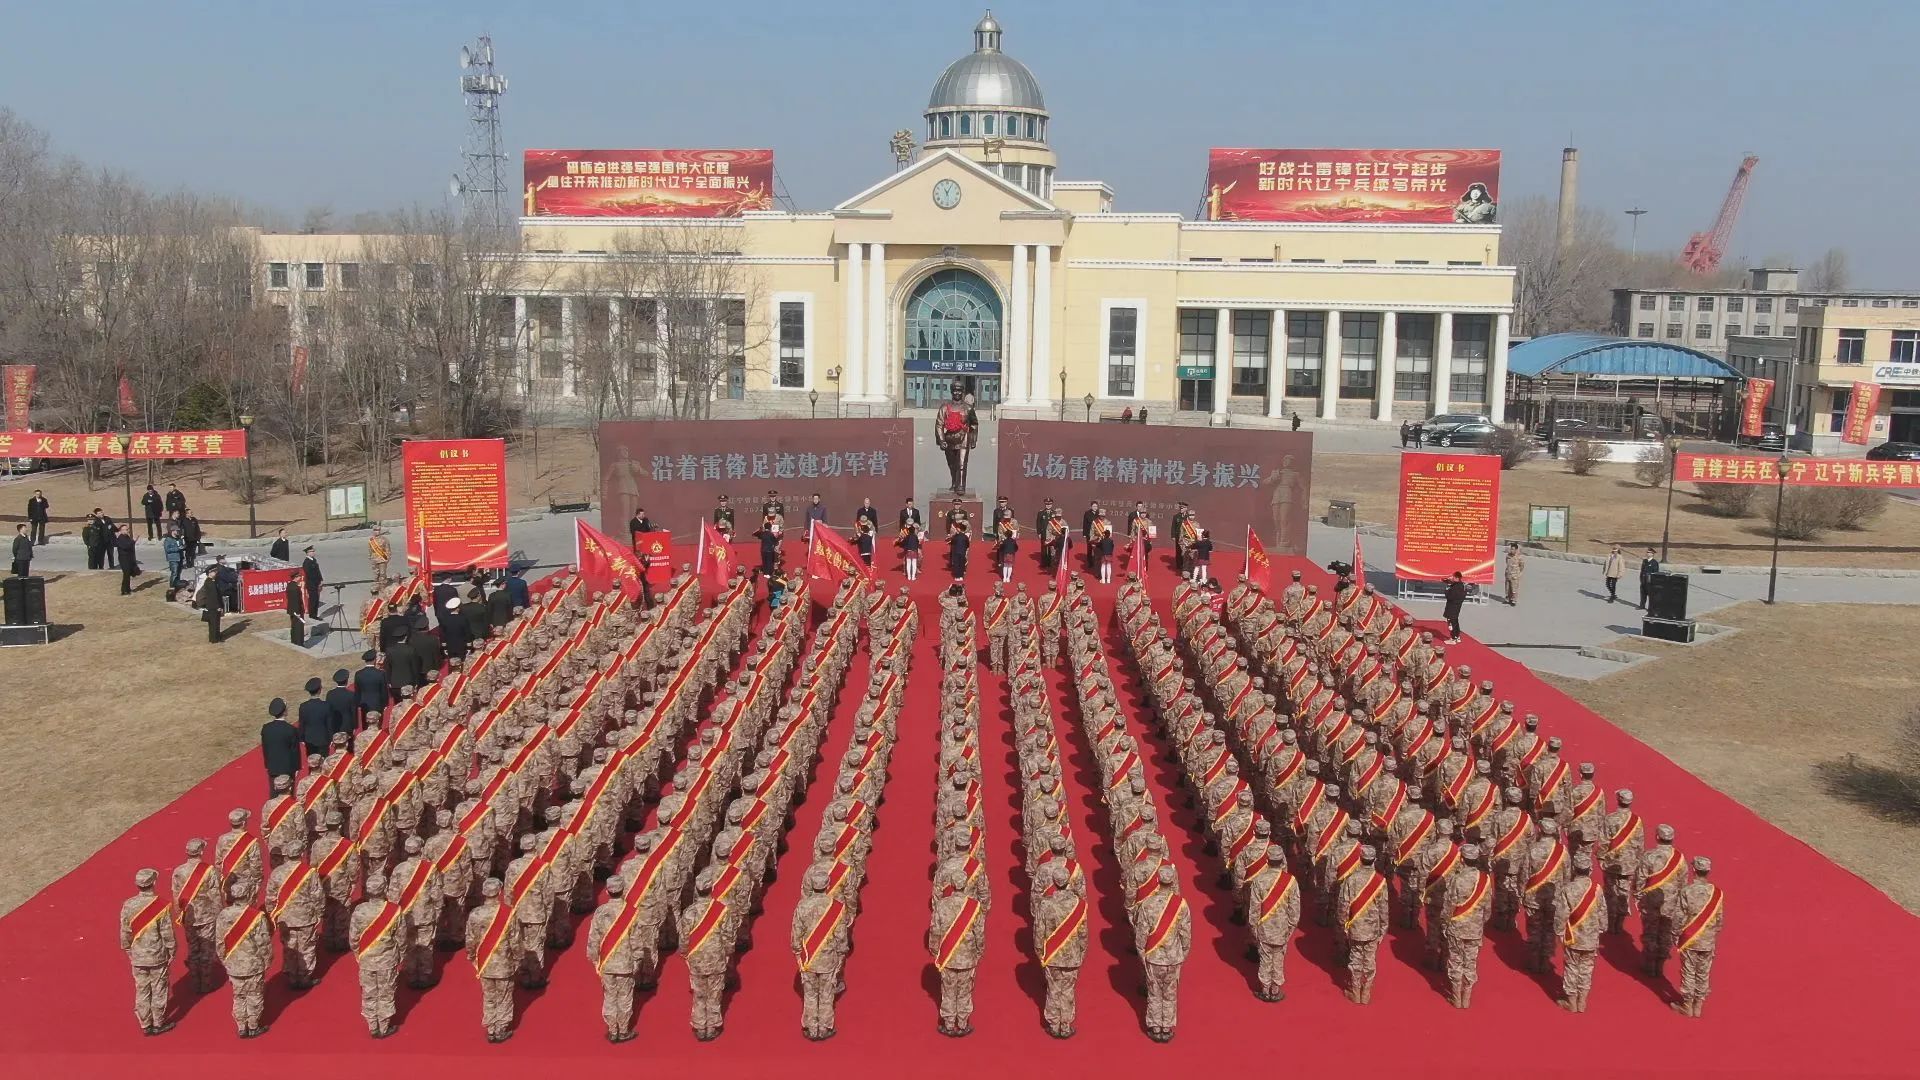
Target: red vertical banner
pixel 716 559
pixel 1360 559
pixel 1862 405
pixel 298 377
pixel 456 497
pixel 1753 415
pixel 16 380
pixel 128 406
pixel 1449 516
pixel 655 552
pixel 1259 563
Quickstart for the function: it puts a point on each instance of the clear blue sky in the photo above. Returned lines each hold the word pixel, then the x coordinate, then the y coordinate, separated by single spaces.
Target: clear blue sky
pixel 355 106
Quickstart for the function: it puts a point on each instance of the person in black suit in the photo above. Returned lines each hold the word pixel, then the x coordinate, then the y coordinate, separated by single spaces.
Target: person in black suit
pixel 296 607
pixel 344 704
pixel 123 545
pixel 310 569
pixel 519 595
pixel 403 665
pixel 226 581
pixel 280 549
pixel 176 503
pixel 150 506
pixel 370 684
pixel 443 591
pixel 315 721
pixel 500 606
pixel 1456 598
pixel 453 630
pixel 957 546
pixel 39 512
pixel 431 651
pixel 210 605
pixel 475 610
pixel 190 532
pixel 279 743
pixel 22 552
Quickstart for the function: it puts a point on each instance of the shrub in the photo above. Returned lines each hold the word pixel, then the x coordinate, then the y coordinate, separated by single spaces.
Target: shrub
pixel 1511 447
pixel 1805 513
pixel 1855 508
pixel 1655 464
pixel 1727 500
pixel 1584 456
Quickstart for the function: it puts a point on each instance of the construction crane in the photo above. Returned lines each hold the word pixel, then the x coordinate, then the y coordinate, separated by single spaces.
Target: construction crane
pixel 1704 250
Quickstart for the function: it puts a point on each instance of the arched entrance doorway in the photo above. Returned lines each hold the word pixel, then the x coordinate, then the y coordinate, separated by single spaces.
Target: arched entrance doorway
pixel 953 335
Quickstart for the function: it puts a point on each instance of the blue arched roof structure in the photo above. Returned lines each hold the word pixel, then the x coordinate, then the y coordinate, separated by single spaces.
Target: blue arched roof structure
pixel 1603 355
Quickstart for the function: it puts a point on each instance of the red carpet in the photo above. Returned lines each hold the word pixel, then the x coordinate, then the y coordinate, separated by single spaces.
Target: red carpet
pixel 1811 978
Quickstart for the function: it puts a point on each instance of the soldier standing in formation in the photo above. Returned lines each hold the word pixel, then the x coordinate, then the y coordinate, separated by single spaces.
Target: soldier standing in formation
pixel 246 948
pixel 1699 916
pixel 147 938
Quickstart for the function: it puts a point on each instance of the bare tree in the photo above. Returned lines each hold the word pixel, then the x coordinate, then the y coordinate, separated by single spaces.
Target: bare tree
pixel 1560 288
pixel 1829 273
pixel 705 298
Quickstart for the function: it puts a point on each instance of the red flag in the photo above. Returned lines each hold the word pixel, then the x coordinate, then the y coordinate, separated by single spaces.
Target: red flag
pixel 19 395
pixel 1259 564
pixel 715 560
pixel 655 553
pixel 299 378
pixel 604 564
pixel 832 557
pixel 1753 412
pixel 128 407
pixel 1359 561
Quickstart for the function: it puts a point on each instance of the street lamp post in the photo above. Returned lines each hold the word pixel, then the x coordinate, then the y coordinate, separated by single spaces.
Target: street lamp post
pixel 813 404
pixel 833 376
pixel 1779 501
pixel 1673 468
pixel 1088 400
pixel 1063 393
pixel 253 523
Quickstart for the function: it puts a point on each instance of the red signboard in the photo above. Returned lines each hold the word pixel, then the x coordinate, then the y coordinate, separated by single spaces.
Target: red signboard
pixel 139 446
pixel 16 382
pixel 456 494
pixel 647 183
pixel 1231 478
pixel 1449 516
pixel 1862 405
pixel 1457 187
pixel 265 590
pixel 1753 414
pixel 1801 471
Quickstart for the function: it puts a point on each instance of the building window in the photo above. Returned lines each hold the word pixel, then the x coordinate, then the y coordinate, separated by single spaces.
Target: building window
pixel 966 124
pixel 1306 351
pixel 1011 126
pixel 1463 262
pixel 1702 331
pixel 1906 347
pixel 316 275
pixel 276 275
pixel 1793 304
pixel 1647 303
pixel 1359 354
pixel 1307 260
pixel 793 346
pixel 1736 303
pixel 1733 328
pixel 1255 260
pixel 1676 303
pixel 1837 410
pixel 1645 329
pixel 1763 305
pixel 1412 262
pixel 1853 347
pixel 349 275
pixel 423 275
pixel 1413 359
pixel 1031 128
pixel 1910 303
pixel 1358 262
pixel 1197 331
pixel 986 124
pixel 1123 331
pixel 1706 303
pixel 1883 303
pixel 1252 334
pixel 1849 303
pixel 1673 330
pixel 1472 344
pixel 1762 330
pixel 946 125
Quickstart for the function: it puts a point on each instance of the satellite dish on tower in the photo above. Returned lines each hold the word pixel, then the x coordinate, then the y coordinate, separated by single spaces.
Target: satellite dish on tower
pixel 466 57
pixel 456 187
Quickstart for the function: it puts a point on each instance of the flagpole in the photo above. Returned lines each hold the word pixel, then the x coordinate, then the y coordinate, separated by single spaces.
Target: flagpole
pixel 1246 556
pixel 700 547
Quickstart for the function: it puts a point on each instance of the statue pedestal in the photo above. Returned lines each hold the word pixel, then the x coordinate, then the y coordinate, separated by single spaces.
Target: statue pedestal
pixel 942 501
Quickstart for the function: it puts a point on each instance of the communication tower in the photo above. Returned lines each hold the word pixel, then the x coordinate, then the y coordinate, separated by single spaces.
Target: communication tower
pixel 482 183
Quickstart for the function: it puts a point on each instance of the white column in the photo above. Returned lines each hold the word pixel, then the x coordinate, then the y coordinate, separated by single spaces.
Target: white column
pixel 1041 362
pixel 1497 371
pixel 854 362
pixel 1277 366
pixel 522 342
pixel 1222 359
pixel 1443 362
pixel 1383 386
pixel 567 348
pixel 1016 372
pixel 662 378
pixel 880 380
pixel 1330 368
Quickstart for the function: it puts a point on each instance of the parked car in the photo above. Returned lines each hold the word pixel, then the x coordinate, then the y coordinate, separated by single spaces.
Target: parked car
pixel 1771 437
pixel 1895 451
pixel 1567 427
pixel 1470 433
pixel 1439 420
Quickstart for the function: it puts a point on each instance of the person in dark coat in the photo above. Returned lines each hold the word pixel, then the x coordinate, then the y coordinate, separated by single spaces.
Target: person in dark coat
pixel 296 607
pixel 518 594
pixel 39 512
pixel 370 684
pixel 957 546
pixel 22 552
pixel 176 503
pixel 98 538
pixel 500 605
pixel 310 569
pixel 453 630
pixel 403 666
pixel 431 651
pixel 344 704
pixel 1456 598
pixel 190 532
pixel 280 548
pixel 210 605
pixel 279 743
pixel 475 609
pixel 150 506
pixel 315 720
pixel 123 546
pixel 443 591
pixel 227 581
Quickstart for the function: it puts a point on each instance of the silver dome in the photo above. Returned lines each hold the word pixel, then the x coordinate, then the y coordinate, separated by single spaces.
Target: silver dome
pixel 986 77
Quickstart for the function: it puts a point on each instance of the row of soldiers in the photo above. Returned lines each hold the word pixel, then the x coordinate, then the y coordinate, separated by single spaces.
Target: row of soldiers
pixel 957 932
pixel 1459 797
pixel 1159 915
pixel 821 936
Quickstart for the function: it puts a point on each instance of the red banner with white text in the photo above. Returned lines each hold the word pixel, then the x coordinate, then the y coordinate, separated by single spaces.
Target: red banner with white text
pixel 1753 414
pixel 655 552
pixel 1801 472
pixel 139 446
pixel 603 564
pixel 16 381
pixel 647 183
pixel 456 494
pixel 1259 563
pixel 832 557
pixel 1862 405
pixel 1449 515
pixel 715 558
pixel 1446 187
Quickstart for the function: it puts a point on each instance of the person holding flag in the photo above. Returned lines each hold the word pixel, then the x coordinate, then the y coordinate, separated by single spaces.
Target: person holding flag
pixel 714 561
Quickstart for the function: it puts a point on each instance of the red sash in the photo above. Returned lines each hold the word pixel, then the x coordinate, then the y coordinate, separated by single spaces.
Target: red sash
pixel 1500 741
pixel 1150 885
pixel 1532 755
pixel 282 806
pixel 1624 834
pixel 322 783
pixel 230 862
pixel 1486 717
pixel 1699 923
pixel 236 934
pixel 1369 893
pixel 1311 802
pixel 1522 828
pixel 1234 706
pixel 1465 907
pixel 1321 715
pixel 848 834
pixel 709 922
pixel 692 799
pixel 753 815
pixel 996 610
pixel 1460 703
pixel 1329 833
pixel 1126 765
pixel 152 912
pixel 1458 788
pixel 1215 770
pixel 1582 908
pixel 1241 844
pixel 456 848
pixel 527 749
pixel 822 930
pixel 494 936
pixel 1165 925
pixel 1276 894
pixel 1371 774
pixel 1292 767
pixel 1539 878
pixel 956 934
pixel 736 861
pixel 416 884
pixel 1348 863
pixel 1387 813
pixel 1418 836
pixel 1552 783
pixel 1444 867
pixel 1485 807
pixel 302 871
pixel 196 880
pixel 1659 878
pixel 1587 803
pixel 381 804
pixel 519 888
pixel 1063 933
pixel 650 868
pixel 1386 704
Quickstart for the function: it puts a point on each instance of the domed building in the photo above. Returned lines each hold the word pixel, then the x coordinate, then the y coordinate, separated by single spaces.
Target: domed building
pixel 974 264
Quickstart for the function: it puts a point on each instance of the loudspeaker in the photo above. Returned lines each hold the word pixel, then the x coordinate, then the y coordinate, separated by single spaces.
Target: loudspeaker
pixel 25 601
pixel 1667 596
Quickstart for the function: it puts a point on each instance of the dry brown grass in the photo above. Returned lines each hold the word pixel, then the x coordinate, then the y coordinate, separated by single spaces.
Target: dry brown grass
pixel 1609 507
pixel 1782 721
pixel 129 708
